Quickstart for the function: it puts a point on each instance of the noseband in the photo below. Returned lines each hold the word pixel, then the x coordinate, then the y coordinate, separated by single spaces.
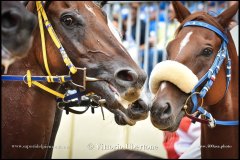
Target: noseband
pixel 209 79
pixel 72 98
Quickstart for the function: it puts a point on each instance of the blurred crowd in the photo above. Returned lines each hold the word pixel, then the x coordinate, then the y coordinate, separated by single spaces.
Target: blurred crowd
pixel 147 27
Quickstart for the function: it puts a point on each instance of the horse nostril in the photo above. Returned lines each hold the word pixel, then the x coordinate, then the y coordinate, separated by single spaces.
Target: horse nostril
pixel 167 109
pixel 126 75
pixel 10 21
pixel 164 111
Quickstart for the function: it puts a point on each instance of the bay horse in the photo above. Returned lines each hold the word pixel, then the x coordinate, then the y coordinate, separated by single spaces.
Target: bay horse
pixel 16 33
pixel 28 114
pixel 192 70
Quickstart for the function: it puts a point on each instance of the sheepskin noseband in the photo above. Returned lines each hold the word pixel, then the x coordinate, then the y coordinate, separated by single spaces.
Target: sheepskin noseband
pixel 174 72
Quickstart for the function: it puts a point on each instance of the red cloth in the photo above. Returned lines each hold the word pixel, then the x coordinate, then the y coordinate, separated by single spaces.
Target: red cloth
pixel 170 138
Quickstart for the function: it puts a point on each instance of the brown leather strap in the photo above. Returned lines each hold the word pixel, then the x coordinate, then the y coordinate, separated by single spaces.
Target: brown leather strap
pixel 197 119
pixel 77 112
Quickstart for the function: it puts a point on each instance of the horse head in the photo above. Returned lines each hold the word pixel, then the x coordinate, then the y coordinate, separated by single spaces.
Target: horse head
pixel 82 28
pixel 17 27
pixel 189 57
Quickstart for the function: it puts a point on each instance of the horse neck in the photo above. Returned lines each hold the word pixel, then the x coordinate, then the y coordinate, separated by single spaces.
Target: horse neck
pixel 26 110
pixel 225 110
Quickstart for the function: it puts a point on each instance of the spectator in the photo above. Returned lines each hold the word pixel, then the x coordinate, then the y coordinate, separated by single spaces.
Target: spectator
pixel 129 40
pixel 167 28
pixel 134 7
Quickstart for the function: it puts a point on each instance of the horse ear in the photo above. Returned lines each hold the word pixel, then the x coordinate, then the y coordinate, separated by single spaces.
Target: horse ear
pixel 181 12
pixel 101 3
pixel 31 6
pixel 226 17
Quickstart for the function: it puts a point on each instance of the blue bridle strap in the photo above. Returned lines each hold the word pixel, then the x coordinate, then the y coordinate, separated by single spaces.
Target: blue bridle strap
pixel 51 79
pixel 74 97
pixel 208 26
pixel 210 76
pixel 58 79
pixel 213 122
pixel 227 123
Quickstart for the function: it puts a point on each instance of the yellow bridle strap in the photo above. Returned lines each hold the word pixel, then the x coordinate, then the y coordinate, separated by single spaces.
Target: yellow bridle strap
pixel 39 8
pixel 29 80
pixel 55 39
pixel 62 78
pixel 49 90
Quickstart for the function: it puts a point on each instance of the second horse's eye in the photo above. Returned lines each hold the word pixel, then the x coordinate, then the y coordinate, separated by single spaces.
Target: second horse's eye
pixel 207 52
pixel 67 20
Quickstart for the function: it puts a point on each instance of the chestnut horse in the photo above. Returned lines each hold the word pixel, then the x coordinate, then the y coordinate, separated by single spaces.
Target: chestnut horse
pixel 28 114
pixel 197 49
pixel 16 34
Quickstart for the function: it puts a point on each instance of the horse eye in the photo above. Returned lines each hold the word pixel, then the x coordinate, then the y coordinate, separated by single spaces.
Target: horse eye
pixel 68 20
pixel 207 52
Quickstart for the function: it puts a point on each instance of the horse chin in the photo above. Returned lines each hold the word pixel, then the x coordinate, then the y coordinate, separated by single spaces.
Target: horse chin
pixel 122 119
pixel 170 124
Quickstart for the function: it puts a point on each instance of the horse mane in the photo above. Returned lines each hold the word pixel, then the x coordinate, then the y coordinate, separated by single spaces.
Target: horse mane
pixel 203 16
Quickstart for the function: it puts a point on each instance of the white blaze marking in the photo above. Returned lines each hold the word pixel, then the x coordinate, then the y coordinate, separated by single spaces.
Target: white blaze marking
pixel 90 9
pixel 163 85
pixel 116 34
pixel 184 42
pixel 114 30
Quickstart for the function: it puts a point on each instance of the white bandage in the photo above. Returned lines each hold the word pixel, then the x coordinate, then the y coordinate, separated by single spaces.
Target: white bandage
pixel 174 72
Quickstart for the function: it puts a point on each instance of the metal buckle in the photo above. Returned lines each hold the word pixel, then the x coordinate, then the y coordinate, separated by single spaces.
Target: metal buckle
pixel 84 78
pixel 185 105
pixel 83 83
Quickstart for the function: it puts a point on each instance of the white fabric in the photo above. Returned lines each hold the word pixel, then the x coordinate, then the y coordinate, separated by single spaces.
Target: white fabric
pixel 234 32
pixel 193 152
pixel 114 30
pixel 187 138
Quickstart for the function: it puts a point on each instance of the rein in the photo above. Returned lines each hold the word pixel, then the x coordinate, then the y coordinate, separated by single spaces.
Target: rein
pixel 209 77
pixel 72 98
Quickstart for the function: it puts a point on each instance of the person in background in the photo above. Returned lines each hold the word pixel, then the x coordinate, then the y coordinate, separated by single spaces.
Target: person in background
pixel 134 7
pixel 129 40
pixel 167 28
